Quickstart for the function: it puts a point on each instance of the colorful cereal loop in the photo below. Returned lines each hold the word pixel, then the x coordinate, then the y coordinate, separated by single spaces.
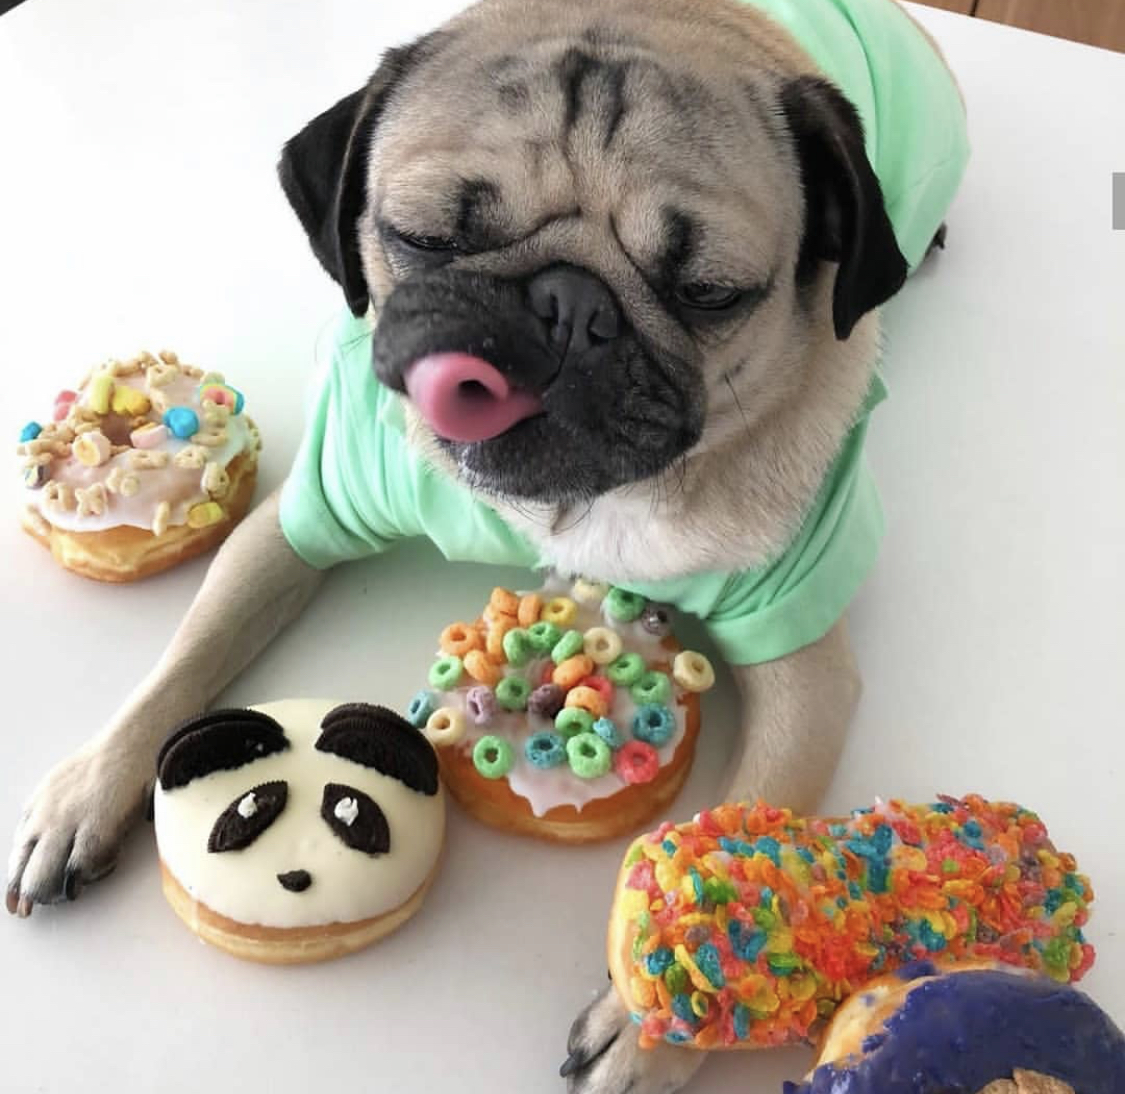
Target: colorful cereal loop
pixel 624 606
pixel 504 601
pixel 479 666
pixel 567 674
pixel 421 707
pixel 586 698
pixel 445 673
pixel 602 645
pixel 636 762
pixel 652 687
pixel 560 610
pixel 573 720
pixel 529 608
pixel 654 724
pixel 492 757
pixel 568 646
pixel 589 755
pixel 692 671
pixel 512 693
pixel 626 670
pixel 545 750
pixel 444 727
pixel 480 702
pixel 459 638
pixel 518 647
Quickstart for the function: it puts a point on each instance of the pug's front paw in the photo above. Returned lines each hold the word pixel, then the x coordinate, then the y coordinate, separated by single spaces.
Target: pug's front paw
pixel 605 1057
pixel 72 829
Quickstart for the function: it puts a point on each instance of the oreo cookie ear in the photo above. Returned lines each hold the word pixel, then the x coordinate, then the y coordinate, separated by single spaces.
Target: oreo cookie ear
pixel 382 740
pixel 220 740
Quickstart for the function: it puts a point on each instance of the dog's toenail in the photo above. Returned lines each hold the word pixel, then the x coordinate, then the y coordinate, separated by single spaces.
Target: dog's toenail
pixel 12 899
pixel 572 1063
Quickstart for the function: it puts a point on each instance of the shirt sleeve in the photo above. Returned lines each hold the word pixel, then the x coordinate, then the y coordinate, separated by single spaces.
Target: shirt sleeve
pixel 327 514
pixel 921 145
pixel 761 614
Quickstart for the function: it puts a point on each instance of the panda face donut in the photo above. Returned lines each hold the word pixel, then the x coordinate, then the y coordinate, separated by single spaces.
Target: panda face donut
pixel 299 813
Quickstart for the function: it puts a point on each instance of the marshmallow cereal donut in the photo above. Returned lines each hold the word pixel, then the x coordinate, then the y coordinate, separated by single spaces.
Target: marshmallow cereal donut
pixel 298 830
pixel 973 1028
pixel 748 926
pixel 560 713
pixel 148 463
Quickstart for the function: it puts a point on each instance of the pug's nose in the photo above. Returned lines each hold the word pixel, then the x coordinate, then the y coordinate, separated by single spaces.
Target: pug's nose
pixel 577 309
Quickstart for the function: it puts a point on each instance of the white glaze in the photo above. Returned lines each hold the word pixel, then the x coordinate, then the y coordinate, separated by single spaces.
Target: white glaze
pixel 346 885
pixel 180 487
pixel 546 788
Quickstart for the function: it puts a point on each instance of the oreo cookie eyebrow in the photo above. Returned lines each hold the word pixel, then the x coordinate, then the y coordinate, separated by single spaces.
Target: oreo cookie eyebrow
pixel 380 739
pixel 221 740
pixel 355 819
pixel 247 817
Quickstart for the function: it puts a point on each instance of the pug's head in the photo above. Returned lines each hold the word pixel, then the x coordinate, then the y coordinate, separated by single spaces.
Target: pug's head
pixel 590 231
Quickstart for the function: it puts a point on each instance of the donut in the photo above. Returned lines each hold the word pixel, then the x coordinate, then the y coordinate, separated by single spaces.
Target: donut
pixel 147 464
pixel 299 830
pixel 556 715
pixel 974 1028
pixel 747 927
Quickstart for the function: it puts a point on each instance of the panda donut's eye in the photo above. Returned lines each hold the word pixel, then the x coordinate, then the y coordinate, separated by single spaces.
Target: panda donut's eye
pixel 355 819
pixel 247 817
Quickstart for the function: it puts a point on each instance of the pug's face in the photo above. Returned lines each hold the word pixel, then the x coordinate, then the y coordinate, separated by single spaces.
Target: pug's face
pixel 593 234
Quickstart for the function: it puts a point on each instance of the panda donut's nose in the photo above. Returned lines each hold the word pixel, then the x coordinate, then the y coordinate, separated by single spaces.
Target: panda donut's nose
pixel 296 881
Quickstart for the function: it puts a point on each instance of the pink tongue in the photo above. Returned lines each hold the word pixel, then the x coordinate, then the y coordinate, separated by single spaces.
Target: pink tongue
pixel 466 399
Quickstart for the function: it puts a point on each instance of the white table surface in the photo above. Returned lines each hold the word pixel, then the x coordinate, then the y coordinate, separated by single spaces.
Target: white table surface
pixel 138 207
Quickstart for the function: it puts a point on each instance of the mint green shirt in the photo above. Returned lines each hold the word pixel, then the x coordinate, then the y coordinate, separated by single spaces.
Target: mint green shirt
pixel 913 116
pixel 357 486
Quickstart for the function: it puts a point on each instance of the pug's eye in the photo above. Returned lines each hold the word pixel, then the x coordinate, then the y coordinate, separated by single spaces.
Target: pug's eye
pixel 431 244
pixel 355 819
pixel 247 817
pixel 708 296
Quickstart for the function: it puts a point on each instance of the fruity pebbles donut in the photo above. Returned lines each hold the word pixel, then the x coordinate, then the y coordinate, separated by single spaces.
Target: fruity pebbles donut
pixel 149 463
pixel 569 713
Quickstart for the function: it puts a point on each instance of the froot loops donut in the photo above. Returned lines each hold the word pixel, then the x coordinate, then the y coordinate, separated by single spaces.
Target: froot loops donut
pixel 574 728
pixel 148 463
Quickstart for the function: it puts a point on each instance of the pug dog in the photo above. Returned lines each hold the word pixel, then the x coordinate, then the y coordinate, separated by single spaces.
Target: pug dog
pixel 644 232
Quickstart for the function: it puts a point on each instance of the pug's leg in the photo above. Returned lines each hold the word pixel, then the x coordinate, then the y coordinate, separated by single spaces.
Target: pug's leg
pixel 606 1059
pixel 76 818
pixel 795 716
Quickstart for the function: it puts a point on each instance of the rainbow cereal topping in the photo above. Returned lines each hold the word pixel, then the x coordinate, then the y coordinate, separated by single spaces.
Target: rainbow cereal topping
pixel 750 925
pixel 577 682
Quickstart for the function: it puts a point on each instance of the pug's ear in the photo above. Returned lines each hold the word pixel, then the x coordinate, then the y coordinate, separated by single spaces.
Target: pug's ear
pixel 323 170
pixel 845 218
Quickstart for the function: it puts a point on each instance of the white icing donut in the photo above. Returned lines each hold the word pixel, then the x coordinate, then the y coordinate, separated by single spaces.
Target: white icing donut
pixel 109 461
pixel 345 885
pixel 546 788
